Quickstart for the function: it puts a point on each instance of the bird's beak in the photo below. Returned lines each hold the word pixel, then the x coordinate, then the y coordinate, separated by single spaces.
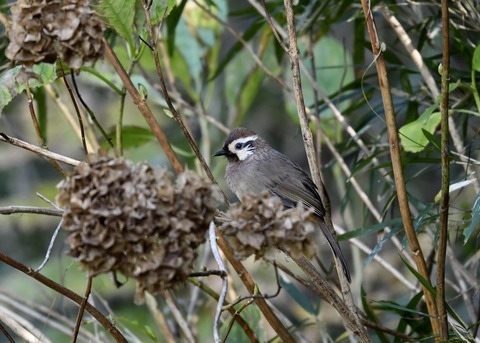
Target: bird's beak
pixel 221 152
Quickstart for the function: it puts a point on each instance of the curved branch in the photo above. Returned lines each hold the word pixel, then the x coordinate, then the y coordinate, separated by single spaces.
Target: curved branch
pixel 108 325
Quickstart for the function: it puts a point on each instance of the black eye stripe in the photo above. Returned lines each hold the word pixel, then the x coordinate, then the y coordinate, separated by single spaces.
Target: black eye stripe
pixel 243 145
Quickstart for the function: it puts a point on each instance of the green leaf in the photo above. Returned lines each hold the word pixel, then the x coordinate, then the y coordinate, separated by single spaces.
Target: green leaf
pixel 369 230
pixel 476 59
pixel 380 245
pixel 249 91
pixel 161 9
pixel 132 137
pixel 372 316
pixel 406 321
pixel 236 48
pixel 172 22
pixel 419 277
pixel 13 80
pixel 475 223
pixel 412 135
pixel 397 307
pixel 119 14
pixel 311 306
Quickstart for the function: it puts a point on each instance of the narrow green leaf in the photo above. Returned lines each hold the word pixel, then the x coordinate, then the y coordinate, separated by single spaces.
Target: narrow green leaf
pixel 476 59
pixel 372 316
pixel 311 306
pixel 419 277
pixel 406 321
pixel 380 245
pixel 172 22
pixel 369 230
pixel 475 223
pixel 249 91
pixel 120 15
pixel 40 101
pixel 397 307
pixel 236 48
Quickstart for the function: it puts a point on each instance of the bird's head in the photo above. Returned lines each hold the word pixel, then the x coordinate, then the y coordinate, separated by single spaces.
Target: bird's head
pixel 240 144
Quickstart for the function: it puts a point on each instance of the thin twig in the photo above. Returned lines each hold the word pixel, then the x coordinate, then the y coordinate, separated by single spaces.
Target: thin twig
pixel 445 196
pixel 40 137
pixel 247 280
pixel 397 162
pixel 140 102
pixel 77 111
pixel 179 318
pixel 109 326
pixel 48 201
pixel 50 246
pixel 7 210
pixel 356 327
pixel 6 334
pixel 21 327
pixel 427 77
pixel 221 273
pixel 90 112
pixel 234 317
pixel 92 143
pixel 270 22
pixel 81 310
pixel 159 318
pixel 36 126
pixel 245 44
pixel 240 321
pixel 36 149
pixel 175 114
pixel 223 294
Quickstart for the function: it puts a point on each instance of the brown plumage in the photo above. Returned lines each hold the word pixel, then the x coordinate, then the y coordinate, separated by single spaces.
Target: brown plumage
pixel 254 166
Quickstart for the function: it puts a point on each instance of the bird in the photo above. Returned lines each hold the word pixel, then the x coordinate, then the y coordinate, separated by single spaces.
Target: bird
pixel 253 166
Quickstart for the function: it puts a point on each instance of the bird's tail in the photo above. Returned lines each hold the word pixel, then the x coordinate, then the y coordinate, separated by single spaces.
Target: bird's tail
pixel 332 241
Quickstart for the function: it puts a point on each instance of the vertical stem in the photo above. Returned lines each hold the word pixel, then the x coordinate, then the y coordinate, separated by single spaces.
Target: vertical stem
pixel 81 310
pixel 397 163
pixel 143 107
pixel 293 53
pixel 442 242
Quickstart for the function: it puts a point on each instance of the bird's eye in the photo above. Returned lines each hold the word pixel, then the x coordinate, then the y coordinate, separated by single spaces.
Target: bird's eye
pixel 238 146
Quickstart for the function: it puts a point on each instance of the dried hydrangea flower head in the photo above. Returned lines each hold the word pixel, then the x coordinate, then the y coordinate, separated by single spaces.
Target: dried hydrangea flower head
pixel 42 30
pixel 260 222
pixel 129 218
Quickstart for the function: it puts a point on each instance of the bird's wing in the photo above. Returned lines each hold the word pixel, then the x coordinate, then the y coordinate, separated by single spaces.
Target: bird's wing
pixel 291 184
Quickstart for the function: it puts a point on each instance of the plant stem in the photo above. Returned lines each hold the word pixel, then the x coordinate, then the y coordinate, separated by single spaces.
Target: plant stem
pixel 397 163
pixel 444 202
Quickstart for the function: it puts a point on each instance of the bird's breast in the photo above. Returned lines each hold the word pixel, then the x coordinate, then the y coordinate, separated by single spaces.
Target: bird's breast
pixel 244 179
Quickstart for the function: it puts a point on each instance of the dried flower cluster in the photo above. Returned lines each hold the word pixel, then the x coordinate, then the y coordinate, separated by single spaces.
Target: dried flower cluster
pixel 42 30
pixel 260 223
pixel 131 219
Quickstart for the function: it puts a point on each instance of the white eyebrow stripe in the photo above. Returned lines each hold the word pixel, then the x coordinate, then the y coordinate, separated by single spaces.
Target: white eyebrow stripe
pixel 244 139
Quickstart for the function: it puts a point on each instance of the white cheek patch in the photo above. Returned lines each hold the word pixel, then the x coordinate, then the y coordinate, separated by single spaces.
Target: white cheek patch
pixel 244 151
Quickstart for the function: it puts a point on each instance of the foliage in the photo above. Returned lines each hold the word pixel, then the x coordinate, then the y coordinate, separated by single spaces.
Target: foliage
pixel 223 66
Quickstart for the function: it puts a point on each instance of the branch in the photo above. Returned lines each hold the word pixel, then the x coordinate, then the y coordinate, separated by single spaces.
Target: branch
pixel 247 280
pixel 140 102
pixel 293 52
pixel 30 209
pixel 397 162
pixel 109 326
pixel 175 114
pixel 36 149
pixel 221 265
pixel 445 197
